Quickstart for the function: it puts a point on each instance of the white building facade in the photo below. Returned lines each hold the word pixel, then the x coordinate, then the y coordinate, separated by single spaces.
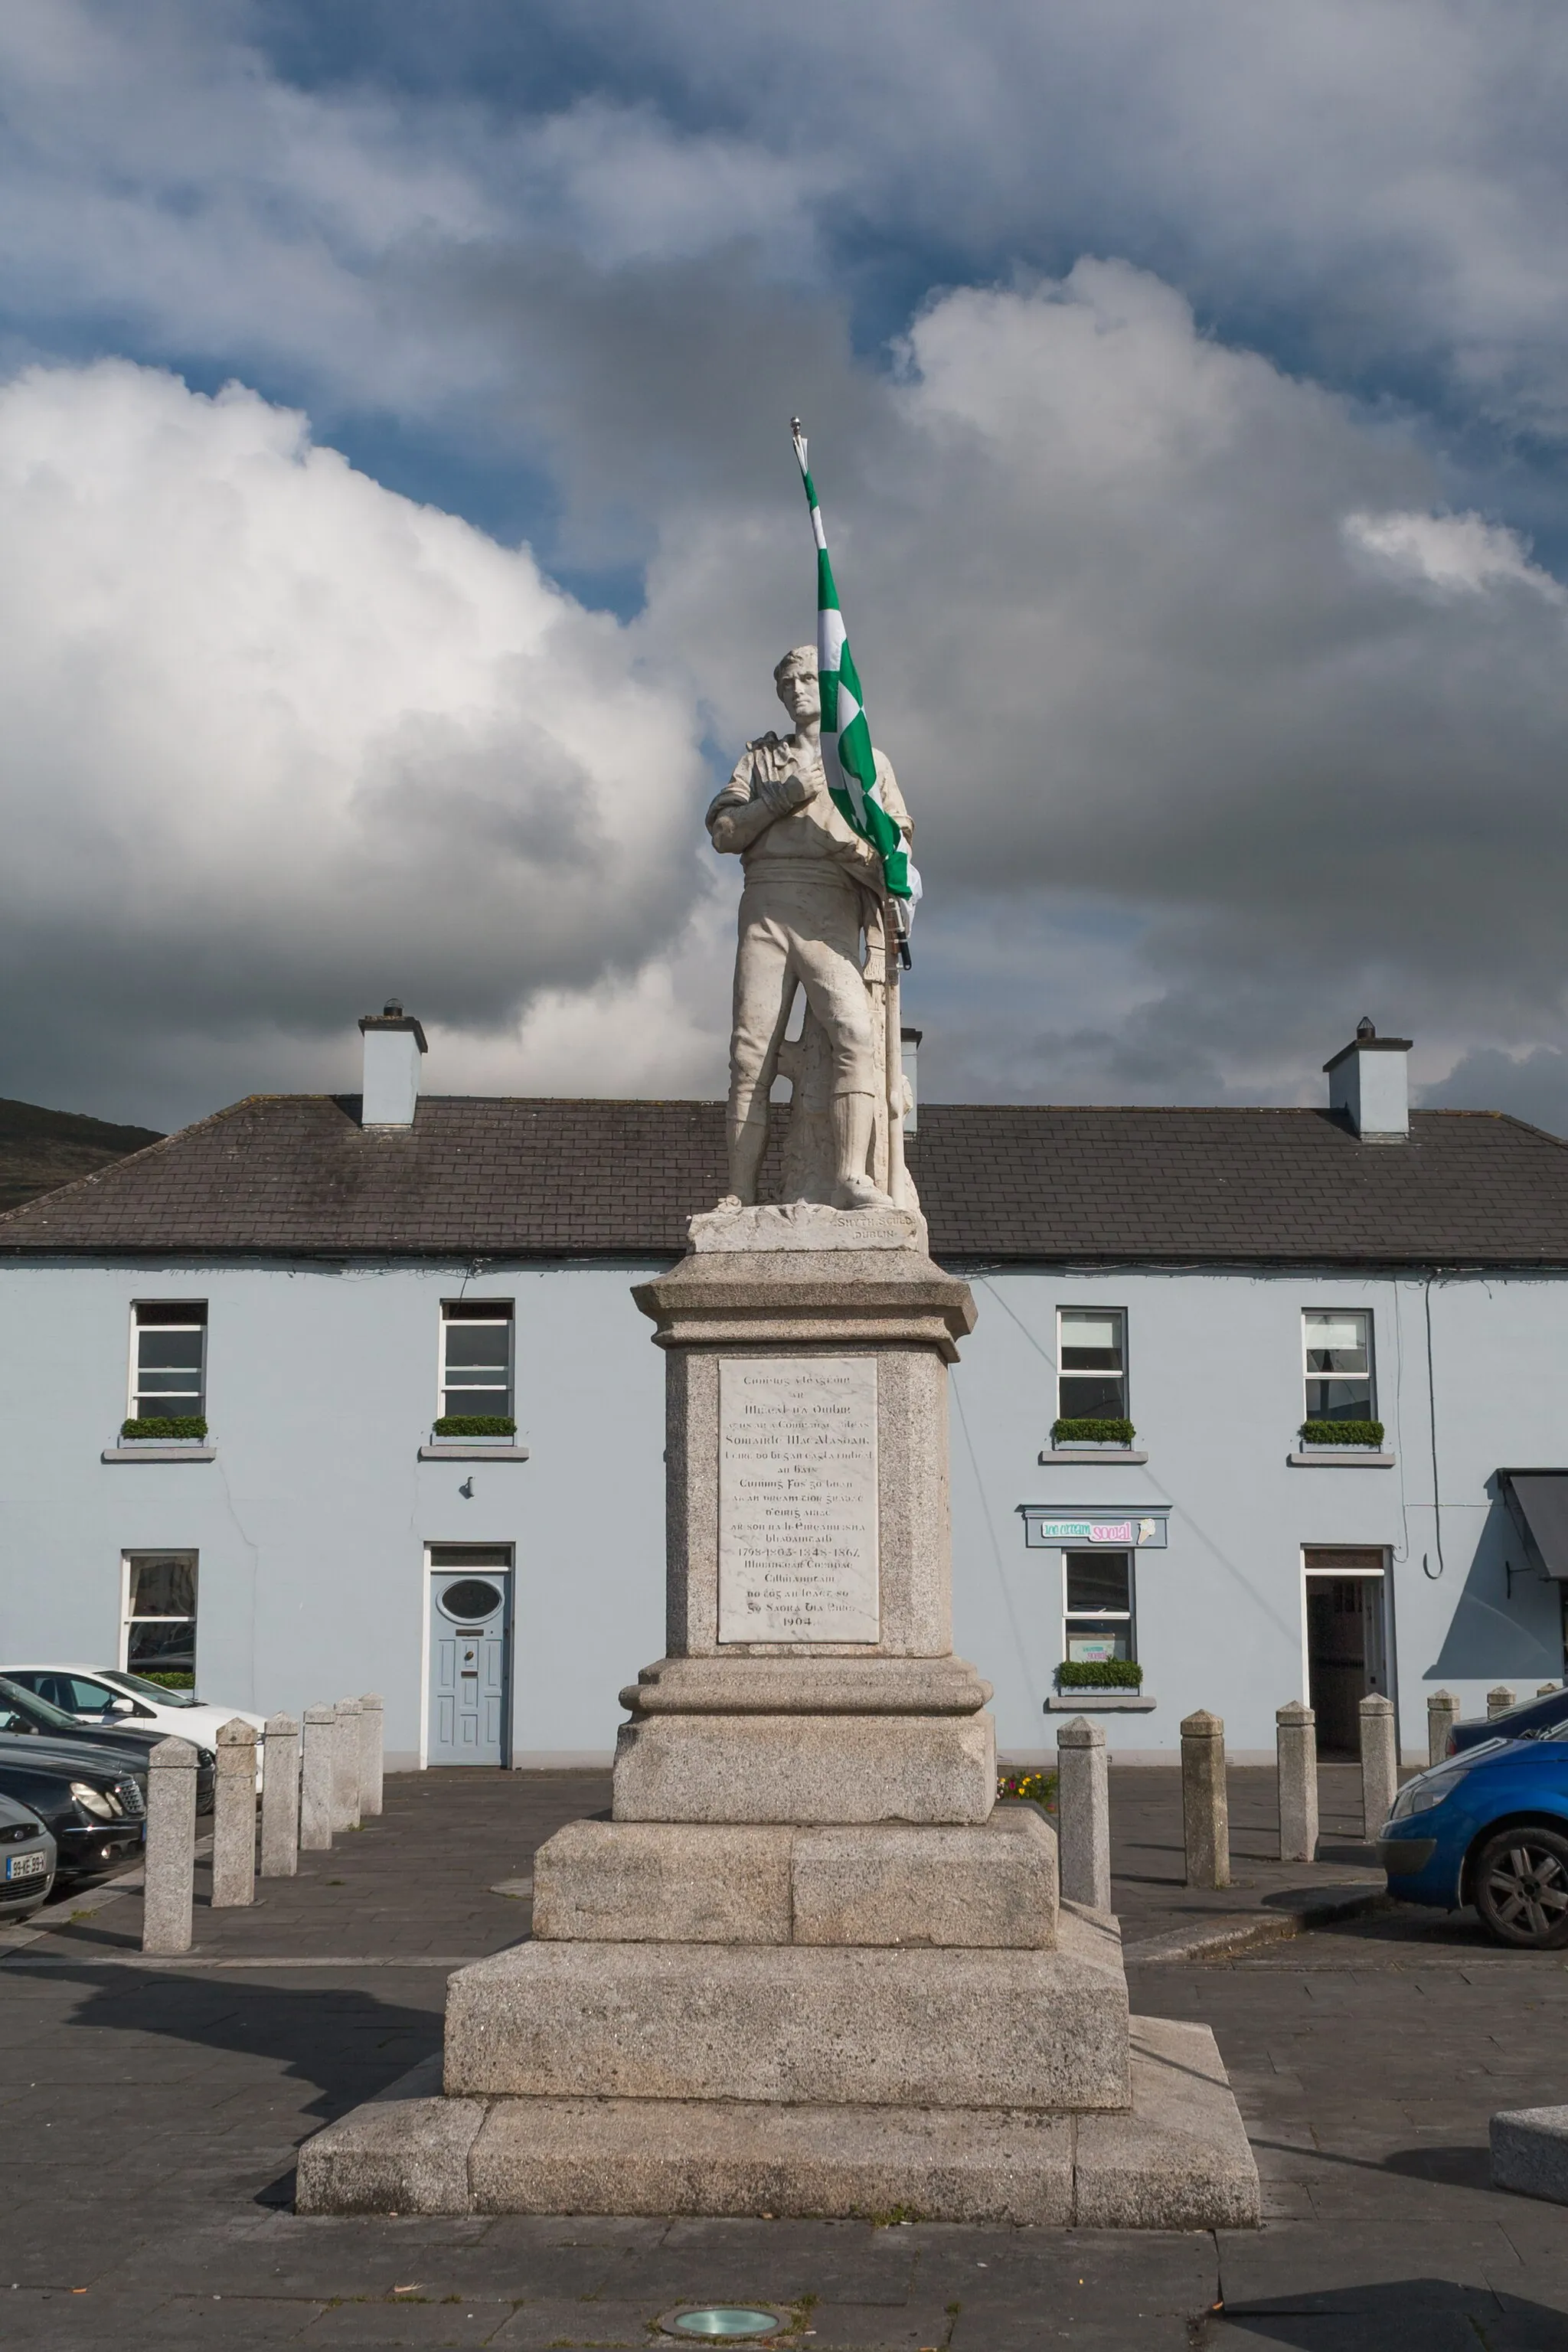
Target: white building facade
pixel 328 1293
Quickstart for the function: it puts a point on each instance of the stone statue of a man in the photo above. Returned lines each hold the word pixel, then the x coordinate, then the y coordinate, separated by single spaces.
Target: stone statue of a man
pixel 810 885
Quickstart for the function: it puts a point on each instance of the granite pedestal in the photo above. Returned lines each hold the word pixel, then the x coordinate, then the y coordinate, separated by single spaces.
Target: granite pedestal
pixel 807 1966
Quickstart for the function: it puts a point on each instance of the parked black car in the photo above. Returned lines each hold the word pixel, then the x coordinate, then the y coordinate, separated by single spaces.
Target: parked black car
pixel 26 1860
pixel 1535 1718
pixel 21 1712
pixel 95 1811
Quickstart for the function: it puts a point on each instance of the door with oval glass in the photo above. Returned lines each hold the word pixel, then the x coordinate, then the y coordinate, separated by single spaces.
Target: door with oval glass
pixel 470 1654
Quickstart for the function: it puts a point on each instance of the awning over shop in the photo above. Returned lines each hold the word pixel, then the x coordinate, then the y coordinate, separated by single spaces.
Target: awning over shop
pixel 1537 1503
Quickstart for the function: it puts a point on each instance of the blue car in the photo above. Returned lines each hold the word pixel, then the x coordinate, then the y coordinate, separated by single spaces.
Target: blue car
pixel 1488 1826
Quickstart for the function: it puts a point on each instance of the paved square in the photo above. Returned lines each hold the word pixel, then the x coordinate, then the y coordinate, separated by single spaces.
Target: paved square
pixel 151 2114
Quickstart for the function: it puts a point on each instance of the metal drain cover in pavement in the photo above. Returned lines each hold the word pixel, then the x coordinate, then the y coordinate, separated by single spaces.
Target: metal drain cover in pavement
pixel 726 2322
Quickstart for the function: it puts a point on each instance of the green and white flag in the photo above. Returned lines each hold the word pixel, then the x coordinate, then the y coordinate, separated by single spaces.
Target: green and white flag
pixel 847 752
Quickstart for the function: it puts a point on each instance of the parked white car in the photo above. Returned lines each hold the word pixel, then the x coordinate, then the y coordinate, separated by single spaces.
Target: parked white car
pixel 104 1694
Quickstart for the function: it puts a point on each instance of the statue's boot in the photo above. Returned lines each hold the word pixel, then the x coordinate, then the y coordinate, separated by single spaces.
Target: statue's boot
pixel 748 1139
pixel 854 1116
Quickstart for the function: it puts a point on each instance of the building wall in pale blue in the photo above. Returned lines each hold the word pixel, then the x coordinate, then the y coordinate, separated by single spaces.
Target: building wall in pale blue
pixel 1215 1393
pixel 311 1523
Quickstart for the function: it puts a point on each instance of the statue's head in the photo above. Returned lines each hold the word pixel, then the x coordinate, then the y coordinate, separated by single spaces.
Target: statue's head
pixel 796 681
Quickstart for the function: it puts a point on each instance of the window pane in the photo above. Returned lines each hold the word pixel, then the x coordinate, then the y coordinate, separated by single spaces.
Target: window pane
pixel 1090 1340
pixel 1082 1399
pixel 169 1647
pixel 1099 1580
pixel 162 1588
pixel 160 1350
pixel 1336 1343
pixel 470 1555
pixel 471 1598
pixel 169 1384
pixel 495 1403
pixel 1339 1401
pixel 156 1691
pixel 88 1697
pixel 1089 1643
pixel 176 1310
pixel 478 1344
pixel 476 1310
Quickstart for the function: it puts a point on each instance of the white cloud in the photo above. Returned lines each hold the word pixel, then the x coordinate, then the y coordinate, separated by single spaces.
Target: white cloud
pixel 623 184
pixel 278 740
pixel 1464 554
pixel 1375 184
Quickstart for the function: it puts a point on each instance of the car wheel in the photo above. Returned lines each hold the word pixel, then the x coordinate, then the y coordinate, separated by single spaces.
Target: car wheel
pixel 1520 1881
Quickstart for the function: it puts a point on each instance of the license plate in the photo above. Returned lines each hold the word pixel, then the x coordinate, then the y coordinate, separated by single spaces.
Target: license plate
pixel 27 1866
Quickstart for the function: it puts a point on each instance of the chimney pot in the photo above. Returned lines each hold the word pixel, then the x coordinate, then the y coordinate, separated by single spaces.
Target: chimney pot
pixel 1369 1085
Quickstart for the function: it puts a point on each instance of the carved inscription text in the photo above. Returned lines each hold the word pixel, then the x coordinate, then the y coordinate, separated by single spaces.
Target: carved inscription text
pixel 797 1499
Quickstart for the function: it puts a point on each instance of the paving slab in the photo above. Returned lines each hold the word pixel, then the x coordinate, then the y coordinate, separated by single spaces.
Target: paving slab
pixel 537 2326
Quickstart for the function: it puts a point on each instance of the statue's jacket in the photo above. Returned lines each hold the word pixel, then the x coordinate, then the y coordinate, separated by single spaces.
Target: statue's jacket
pixel 812 844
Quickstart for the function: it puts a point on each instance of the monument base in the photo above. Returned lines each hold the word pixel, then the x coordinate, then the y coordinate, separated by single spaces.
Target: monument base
pixel 1177 2158
pixel 807 1966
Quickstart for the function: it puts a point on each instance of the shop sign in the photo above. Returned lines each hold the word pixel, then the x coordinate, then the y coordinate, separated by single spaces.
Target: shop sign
pixel 1121 1530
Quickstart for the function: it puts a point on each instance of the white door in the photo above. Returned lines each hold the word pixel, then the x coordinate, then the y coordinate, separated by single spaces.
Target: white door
pixel 470 1643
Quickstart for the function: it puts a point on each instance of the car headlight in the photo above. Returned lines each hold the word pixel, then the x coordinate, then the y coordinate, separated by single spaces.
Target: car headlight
pixel 92 1800
pixel 1420 1796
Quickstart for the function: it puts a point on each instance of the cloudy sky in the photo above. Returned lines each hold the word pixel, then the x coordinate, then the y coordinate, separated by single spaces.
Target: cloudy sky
pixel 399 527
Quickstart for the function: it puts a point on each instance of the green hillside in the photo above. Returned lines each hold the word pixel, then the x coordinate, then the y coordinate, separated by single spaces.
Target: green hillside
pixel 40 1148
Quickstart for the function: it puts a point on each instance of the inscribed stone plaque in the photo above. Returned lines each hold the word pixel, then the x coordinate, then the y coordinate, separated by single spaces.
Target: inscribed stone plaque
pixel 797 1499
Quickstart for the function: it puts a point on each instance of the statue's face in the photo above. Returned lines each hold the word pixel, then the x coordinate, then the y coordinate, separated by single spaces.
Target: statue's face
pixel 801 695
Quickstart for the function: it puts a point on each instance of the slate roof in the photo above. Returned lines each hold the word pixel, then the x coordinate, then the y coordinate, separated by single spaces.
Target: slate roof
pixel 482 1176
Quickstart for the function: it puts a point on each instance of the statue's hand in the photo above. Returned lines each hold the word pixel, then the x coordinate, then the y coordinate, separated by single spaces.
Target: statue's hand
pixel 785 794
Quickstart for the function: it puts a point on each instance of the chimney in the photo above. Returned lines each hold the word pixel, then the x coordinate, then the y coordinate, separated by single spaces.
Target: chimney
pixel 909 1053
pixel 1369 1083
pixel 392 1044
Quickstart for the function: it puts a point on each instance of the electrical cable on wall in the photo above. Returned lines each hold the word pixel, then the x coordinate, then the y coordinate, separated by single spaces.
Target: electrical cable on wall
pixel 1426 1569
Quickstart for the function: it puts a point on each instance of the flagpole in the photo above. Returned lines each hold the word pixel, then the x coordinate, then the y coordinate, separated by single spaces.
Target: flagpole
pixel 893 1072
pixel 858 790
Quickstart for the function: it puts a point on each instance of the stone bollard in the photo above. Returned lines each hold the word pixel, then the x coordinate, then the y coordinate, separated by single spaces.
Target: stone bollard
pixel 1205 1813
pixel 1083 1814
pixel 280 1797
pixel 1500 1699
pixel 318 1742
pixel 345 1767
pixel 1544 1690
pixel 372 1718
pixel 1296 1751
pixel 1442 1715
pixel 171 1847
pixel 234 1816
pixel 1379 1763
